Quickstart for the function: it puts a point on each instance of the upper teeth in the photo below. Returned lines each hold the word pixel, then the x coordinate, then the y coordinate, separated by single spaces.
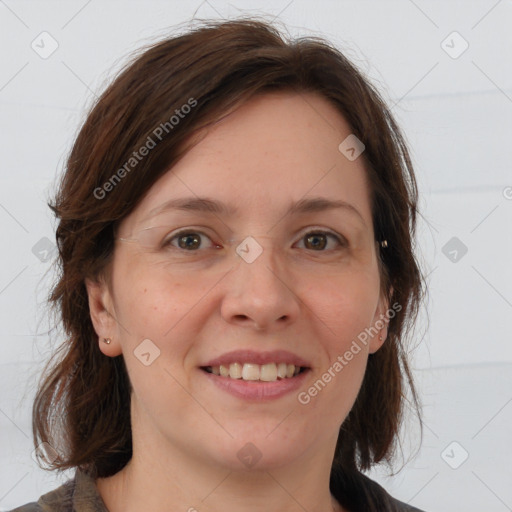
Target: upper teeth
pixel 250 371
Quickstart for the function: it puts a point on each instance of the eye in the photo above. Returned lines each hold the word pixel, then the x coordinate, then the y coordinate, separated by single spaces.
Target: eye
pixel 191 240
pixel 319 240
pixel 188 240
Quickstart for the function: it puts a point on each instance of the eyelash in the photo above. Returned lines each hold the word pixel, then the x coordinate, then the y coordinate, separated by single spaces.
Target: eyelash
pixel 340 239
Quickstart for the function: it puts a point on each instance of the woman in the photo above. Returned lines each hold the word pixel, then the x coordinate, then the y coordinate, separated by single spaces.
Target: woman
pixel 236 229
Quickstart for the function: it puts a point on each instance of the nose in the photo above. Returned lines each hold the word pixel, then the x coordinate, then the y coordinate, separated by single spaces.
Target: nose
pixel 259 290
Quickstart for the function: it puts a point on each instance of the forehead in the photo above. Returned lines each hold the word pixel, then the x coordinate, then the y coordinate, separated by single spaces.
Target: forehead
pixel 275 150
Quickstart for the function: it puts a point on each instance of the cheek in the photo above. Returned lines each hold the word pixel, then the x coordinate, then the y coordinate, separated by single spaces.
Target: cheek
pixel 345 309
pixel 346 305
pixel 145 303
pixel 163 308
pixel 152 308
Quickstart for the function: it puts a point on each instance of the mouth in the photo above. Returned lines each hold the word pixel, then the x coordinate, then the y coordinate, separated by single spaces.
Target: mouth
pixel 257 376
pixel 252 372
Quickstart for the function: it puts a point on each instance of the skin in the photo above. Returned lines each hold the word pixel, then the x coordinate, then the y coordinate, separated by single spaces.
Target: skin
pixel 274 150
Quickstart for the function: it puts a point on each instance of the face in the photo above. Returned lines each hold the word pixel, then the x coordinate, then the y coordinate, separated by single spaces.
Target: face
pixel 189 287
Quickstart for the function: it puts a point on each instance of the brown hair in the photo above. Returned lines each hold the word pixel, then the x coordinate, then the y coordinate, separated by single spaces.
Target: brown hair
pixel 82 403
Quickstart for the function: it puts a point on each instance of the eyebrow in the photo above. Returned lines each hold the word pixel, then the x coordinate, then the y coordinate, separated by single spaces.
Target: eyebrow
pixel 208 205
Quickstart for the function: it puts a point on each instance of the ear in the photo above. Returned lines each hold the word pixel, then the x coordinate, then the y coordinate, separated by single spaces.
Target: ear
pixel 101 308
pixel 381 321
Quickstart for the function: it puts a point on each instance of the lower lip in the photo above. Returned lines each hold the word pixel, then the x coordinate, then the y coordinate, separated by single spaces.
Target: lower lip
pixel 257 390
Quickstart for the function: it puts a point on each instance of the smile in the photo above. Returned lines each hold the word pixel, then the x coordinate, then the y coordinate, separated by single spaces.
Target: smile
pixel 269 372
pixel 257 376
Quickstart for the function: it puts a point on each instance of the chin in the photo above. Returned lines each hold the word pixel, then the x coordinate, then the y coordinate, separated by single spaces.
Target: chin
pixel 259 453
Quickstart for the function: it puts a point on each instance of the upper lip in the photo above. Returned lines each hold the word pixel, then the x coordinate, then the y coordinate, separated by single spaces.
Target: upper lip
pixel 251 356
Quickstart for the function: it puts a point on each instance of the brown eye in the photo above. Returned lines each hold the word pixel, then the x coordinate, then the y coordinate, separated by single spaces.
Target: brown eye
pixel 318 240
pixel 189 241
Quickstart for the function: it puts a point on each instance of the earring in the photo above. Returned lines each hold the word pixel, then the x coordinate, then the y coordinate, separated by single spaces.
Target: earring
pixel 107 341
pixel 380 337
pixel 384 244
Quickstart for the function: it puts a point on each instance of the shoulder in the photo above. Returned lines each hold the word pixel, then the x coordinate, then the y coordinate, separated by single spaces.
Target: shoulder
pixel 57 500
pixel 355 491
pixel 384 497
pixel 395 505
pixel 79 494
pixel 29 507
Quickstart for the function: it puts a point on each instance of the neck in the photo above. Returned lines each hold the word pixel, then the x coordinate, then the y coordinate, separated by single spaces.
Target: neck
pixel 166 474
pixel 139 487
pixel 152 481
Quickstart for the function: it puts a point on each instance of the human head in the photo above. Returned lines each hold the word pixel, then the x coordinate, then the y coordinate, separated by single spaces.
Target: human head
pixel 213 70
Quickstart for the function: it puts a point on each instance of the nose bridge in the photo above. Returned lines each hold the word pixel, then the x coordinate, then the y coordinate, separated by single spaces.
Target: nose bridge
pixel 259 259
pixel 250 248
pixel 258 289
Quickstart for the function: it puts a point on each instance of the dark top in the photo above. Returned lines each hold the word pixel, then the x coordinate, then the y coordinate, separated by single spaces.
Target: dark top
pixel 80 494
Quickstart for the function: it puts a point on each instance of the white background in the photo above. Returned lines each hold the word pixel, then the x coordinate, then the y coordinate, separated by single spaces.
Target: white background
pixel 457 116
